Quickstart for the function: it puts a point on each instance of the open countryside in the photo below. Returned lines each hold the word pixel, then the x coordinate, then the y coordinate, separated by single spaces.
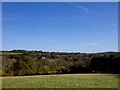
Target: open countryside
pixel 38 69
pixel 62 81
pixel 59 45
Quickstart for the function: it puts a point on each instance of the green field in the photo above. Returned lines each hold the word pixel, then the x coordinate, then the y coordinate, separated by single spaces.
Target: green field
pixel 10 53
pixel 62 81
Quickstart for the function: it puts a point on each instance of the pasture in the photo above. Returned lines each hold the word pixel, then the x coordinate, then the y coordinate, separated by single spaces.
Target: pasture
pixel 62 81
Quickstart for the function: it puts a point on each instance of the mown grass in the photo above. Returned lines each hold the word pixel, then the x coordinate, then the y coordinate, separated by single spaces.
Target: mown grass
pixel 62 81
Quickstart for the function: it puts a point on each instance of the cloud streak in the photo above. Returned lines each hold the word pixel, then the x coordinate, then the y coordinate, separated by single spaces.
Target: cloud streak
pixel 12 16
pixel 79 7
pixel 89 44
pixel 72 4
pixel 115 31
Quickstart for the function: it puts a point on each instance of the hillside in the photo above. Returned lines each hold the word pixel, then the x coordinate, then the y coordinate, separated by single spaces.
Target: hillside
pixel 23 62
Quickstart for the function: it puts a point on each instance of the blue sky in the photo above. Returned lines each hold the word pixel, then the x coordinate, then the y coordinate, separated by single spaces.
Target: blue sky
pixel 65 27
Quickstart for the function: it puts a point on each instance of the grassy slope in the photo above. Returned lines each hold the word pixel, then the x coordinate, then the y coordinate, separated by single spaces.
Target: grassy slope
pixel 62 81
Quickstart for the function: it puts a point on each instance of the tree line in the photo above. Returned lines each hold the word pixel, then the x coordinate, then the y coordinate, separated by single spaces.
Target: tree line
pixel 43 63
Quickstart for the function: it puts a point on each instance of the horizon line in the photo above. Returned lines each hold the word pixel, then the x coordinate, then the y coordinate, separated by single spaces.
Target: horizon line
pixel 59 51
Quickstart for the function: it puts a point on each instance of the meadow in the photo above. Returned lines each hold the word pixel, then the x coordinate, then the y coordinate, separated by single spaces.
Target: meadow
pixel 62 81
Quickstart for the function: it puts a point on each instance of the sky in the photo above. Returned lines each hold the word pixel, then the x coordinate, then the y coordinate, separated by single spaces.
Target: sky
pixel 61 27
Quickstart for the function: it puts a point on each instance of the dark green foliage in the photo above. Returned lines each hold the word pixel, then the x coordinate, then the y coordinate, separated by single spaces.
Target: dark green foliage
pixel 38 62
pixel 106 64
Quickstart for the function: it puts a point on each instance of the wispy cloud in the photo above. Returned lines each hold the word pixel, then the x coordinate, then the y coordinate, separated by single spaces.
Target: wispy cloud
pixel 72 5
pixel 115 31
pixel 89 44
pixel 79 7
pixel 12 16
pixel 114 24
pixel 96 34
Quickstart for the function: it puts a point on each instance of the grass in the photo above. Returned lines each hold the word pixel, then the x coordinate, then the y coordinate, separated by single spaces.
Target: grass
pixel 0 82
pixel 10 53
pixel 62 81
